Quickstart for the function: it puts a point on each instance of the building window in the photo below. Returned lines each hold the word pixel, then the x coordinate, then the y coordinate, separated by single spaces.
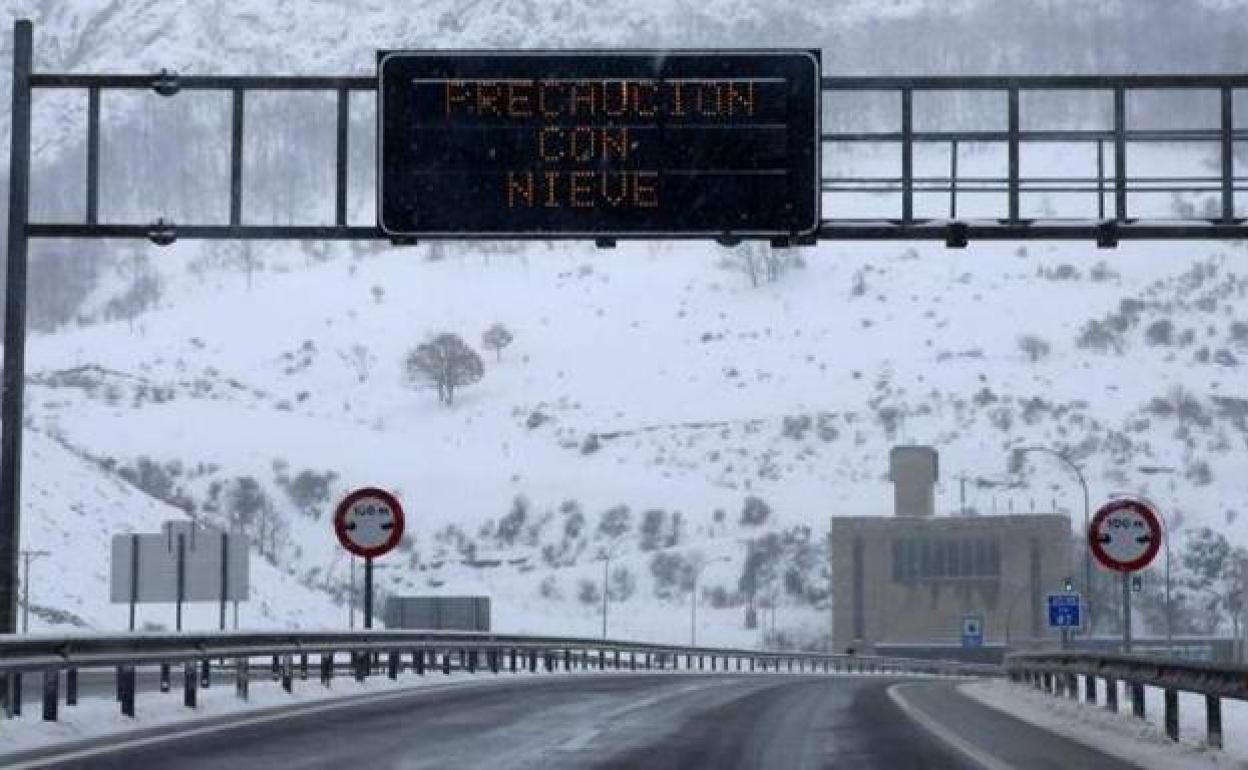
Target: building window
pixel 936 558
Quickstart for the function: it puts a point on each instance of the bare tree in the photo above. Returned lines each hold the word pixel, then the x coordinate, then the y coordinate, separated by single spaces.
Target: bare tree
pixel 496 338
pixel 447 362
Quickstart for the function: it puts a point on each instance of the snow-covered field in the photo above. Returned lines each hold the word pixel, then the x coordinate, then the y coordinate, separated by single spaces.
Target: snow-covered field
pixel 1122 735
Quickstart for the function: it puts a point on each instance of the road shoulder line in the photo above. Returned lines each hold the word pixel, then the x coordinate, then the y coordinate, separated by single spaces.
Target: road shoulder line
pixel 940 732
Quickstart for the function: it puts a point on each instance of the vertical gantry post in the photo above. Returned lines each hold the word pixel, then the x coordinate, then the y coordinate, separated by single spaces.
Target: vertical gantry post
pixel 1100 179
pixel 1120 153
pixel 1228 156
pixel 1013 168
pixel 15 328
pixel 93 155
pixel 907 155
pixel 340 182
pixel 236 158
pixel 953 179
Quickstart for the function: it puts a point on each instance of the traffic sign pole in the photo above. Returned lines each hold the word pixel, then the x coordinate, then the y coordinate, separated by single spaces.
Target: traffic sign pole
pixel 368 592
pixel 1126 612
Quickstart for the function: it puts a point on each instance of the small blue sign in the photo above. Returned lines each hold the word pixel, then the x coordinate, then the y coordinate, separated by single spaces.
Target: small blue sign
pixel 972 631
pixel 1065 611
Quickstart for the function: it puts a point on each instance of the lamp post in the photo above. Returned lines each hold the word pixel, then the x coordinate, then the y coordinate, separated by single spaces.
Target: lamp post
pixel 605 555
pixel 693 605
pixel 1087 556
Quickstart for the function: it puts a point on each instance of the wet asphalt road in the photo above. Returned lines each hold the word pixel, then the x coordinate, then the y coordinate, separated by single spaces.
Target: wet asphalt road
pixel 647 721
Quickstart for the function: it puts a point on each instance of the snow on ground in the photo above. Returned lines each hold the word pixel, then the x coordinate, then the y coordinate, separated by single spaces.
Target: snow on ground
pixel 1122 735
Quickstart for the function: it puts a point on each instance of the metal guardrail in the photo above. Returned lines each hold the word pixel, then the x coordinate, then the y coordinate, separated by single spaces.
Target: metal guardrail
pixel 1058 673
pixel 61 658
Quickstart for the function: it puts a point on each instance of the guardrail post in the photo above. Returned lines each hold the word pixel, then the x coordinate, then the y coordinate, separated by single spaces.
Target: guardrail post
pixel 648 661
pixel 360 664
pixel 548 661
pixel 1089 688
pixel 1072 686
pixel 446 663
pixel 1213 721
pixel 617 660
pixel 288 673
pixel 1172 714
pixel 701 662
pixel 276 668
pixel 303 666
pixel 125 690
pixel 51 686
pixel 164 677
pixel 632 661
pixel 392 670
pixel 190 678
pixel 1137 699
pixel 1111 694
pixel 1048 682
pixel 513 660
pixel 472 661
pixel 752 662
pixel 205 673
pixel 327 668
pixel 6 695
pixel 242 677
pixel 738 663
pixel 71 687
pixel 790 665
pixel 567 659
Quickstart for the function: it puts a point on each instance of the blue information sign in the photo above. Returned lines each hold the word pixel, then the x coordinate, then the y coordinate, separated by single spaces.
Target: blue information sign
pixel 972 631
pixel 1064 611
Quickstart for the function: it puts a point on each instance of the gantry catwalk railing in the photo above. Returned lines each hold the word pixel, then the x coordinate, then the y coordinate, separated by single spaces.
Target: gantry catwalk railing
pixel 58 660
pixel 1059 672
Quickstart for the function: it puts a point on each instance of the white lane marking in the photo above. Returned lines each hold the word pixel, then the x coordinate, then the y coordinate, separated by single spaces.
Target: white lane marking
pixel 984 760
pixel 269 715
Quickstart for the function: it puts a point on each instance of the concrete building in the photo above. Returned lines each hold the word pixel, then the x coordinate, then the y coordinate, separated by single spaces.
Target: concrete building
pixel 911 579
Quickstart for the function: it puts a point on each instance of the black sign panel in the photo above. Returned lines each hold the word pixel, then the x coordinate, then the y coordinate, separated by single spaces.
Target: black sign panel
pixel 598 144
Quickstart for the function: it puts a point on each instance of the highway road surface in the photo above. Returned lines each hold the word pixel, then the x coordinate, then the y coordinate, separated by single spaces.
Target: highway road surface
pixel 618 721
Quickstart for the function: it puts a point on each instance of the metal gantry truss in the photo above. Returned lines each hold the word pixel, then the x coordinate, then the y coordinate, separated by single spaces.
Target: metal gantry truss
pixel 1107 229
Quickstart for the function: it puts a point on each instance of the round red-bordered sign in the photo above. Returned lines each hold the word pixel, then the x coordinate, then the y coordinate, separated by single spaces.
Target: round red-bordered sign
pixel 1125 535
pixel 369 522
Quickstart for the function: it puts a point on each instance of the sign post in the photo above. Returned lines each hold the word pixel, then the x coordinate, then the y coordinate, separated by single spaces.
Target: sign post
pixel 369 523
pixel 1125 536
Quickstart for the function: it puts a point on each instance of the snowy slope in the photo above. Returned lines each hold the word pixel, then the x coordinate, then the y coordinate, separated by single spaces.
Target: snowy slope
pixel 72 508
pixel 698 390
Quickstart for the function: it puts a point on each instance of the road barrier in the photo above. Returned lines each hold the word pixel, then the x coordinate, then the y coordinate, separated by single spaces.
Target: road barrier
pixel 59 659
pixel 1058 673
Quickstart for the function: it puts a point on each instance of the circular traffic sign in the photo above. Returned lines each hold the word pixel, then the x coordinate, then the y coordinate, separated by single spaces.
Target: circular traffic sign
pixel 369 522
pixel 1125 535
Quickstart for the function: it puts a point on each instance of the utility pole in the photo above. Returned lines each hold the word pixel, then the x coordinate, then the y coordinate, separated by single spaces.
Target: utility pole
pixel 606 590
pixel 27 557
